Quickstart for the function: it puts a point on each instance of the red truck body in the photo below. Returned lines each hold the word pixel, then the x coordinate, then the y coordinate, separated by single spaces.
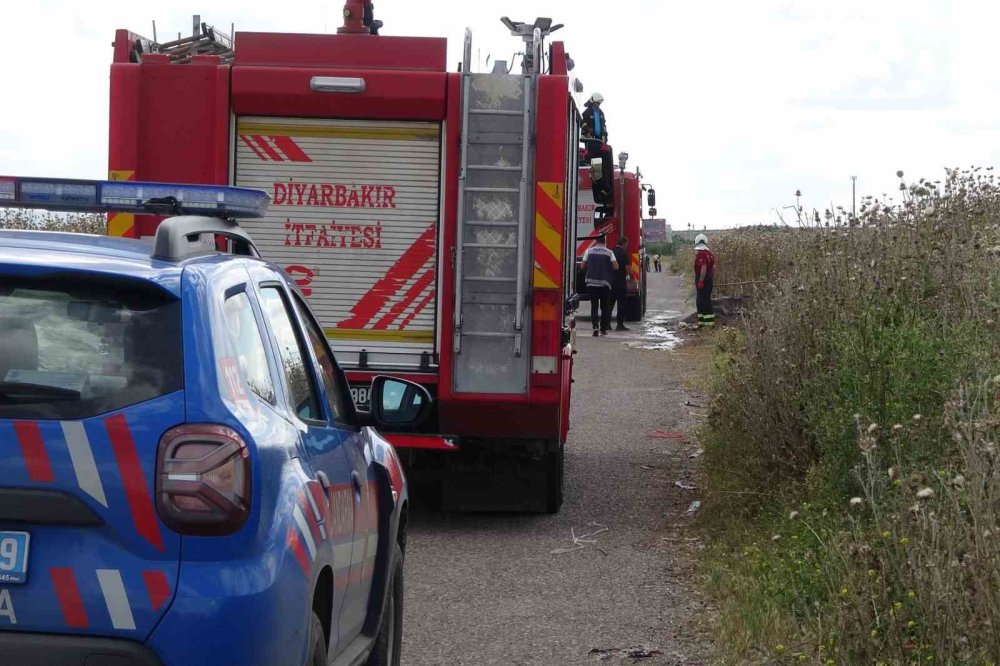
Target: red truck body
pixel 367 185
pixel 626 220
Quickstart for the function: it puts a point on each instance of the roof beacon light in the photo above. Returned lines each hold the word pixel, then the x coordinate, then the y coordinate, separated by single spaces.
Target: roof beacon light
pixel 7 189
pixel 116 196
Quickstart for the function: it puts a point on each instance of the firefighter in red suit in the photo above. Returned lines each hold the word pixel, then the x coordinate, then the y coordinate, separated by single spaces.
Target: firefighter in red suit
pixel 704 275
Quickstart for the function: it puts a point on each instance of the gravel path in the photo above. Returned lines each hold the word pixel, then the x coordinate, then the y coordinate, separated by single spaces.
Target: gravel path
pixel 514 589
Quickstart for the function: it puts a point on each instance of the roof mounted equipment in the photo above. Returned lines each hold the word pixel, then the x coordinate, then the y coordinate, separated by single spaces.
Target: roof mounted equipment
pixel 118 196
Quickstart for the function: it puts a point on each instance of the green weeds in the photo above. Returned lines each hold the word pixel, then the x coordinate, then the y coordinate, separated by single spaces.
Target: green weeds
pixel 851 468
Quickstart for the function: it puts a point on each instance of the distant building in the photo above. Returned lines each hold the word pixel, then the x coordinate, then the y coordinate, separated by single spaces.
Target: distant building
pixel 656 231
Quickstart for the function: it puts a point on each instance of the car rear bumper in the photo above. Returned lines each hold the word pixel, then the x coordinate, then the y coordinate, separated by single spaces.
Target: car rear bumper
pixel 26 649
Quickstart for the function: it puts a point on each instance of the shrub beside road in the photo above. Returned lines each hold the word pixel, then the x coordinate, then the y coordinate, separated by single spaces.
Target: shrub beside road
pixel 851 450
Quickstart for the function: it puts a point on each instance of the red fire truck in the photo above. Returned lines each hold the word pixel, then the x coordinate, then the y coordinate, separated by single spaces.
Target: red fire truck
pixel 601 215
pixel 426 214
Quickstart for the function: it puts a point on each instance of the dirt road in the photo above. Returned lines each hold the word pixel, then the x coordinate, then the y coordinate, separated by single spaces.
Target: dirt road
pixel 516 589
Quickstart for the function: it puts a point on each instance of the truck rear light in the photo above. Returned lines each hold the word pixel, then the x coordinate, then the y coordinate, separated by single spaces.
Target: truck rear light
pixel 547 335
pixel 203 480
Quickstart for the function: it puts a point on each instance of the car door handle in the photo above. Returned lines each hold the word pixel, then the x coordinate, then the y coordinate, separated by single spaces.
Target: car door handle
pixel 356 480
pixel 324 481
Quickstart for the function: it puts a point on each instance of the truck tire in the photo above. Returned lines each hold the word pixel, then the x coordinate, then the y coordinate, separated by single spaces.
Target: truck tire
pixel 388 644
pixel 317 643
pixel 633 308
pixel 555 465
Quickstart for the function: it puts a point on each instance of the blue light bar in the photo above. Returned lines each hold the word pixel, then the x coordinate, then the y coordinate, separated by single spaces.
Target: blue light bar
pixel 116 196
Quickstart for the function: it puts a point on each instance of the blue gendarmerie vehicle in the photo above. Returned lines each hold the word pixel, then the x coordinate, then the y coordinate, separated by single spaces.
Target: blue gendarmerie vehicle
pixel 184 478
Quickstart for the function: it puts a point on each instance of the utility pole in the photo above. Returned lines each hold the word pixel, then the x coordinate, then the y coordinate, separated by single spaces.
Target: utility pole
pixel 854 197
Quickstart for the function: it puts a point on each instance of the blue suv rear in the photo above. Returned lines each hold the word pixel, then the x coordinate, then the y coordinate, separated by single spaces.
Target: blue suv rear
pixel 184 478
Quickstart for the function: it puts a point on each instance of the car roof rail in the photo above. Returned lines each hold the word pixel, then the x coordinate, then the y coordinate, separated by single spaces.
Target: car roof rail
pixel 179 238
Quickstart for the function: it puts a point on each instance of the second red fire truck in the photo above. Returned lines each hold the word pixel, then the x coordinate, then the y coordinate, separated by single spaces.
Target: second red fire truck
pixel 427 215
pixel 615 213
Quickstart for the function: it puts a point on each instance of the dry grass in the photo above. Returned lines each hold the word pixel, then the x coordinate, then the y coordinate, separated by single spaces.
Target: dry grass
pixel 83 223
pixel 865 324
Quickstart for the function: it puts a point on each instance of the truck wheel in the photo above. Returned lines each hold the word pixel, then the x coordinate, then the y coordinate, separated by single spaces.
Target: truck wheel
pixel 317 643
pixel 388 643
pixel 554 463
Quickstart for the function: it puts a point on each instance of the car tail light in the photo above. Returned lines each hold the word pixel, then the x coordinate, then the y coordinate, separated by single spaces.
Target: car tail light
pixel 203 480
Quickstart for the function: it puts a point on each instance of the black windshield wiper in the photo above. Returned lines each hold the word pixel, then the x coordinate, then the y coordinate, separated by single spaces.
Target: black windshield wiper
pixel 23 390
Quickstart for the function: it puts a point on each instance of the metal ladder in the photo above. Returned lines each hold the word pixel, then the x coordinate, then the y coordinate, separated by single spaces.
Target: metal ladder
pixel 494 228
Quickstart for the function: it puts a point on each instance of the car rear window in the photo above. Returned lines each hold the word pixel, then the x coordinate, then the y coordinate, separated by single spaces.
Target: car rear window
pixel 74 348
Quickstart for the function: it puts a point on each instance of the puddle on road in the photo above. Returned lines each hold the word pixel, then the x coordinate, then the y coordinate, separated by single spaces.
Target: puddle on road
pixel 657 332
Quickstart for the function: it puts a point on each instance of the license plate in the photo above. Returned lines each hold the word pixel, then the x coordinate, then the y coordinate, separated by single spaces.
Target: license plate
pixel 14 557
pixel 362 396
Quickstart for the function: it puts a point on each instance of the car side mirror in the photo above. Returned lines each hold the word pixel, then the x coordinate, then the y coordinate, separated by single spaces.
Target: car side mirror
pixel 651 198
pixel 397 404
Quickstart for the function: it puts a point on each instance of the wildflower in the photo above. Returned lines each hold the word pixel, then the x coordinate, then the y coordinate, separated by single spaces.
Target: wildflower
pixel 911 595
pixel 958 481
pixel 911 624
pixel 872 428
pixel 915 508
pixel 897 427
pixel 892 472
pixel 856 502
pixel 776 538
pixel 898 605
pixel 793 515
pixel 917 418
pixel 844 591
pixel 779 648
pixel 872 573
pixel 874 633
pixel 925 493
pixel 904 541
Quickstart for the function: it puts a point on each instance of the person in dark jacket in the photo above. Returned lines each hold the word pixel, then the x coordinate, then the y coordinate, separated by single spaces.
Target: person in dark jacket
pixel 600 265
pixel 594 124
pixel 619 289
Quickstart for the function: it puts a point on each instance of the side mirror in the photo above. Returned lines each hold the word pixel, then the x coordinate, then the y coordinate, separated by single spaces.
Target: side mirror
pixel 596 169
pixel 397 404
pixel 651 198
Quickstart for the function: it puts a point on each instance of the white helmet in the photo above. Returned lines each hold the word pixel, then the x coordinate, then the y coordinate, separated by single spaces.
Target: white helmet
pixel 701 239
pixel 596 98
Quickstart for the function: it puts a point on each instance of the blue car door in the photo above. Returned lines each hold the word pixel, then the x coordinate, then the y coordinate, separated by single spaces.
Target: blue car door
pixel 360 556
pixel 325 516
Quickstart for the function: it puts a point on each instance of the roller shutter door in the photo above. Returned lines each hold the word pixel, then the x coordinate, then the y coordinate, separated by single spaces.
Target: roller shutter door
pixel 354 219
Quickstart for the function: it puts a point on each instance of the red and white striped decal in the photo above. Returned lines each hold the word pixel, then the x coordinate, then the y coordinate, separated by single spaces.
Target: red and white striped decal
pixel 82 455
pixel 310 518
pixel 136 489
pixel 419 257
pixel 36 458
pixel 116 599
pixel 88 478
pixel 271 148
pixel 157 587
pixel 68 594
pixel 318 520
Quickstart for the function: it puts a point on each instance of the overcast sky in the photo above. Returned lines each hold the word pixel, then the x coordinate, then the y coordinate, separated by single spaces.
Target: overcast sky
pixel 728 107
